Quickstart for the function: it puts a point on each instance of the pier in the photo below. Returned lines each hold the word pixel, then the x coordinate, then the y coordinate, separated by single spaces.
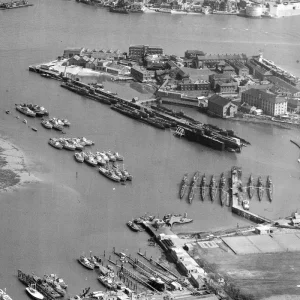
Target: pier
pixel 237 198
pixel 28 280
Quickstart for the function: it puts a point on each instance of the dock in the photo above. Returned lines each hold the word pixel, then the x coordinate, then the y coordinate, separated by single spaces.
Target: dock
pixel 28 280
pixel 237 197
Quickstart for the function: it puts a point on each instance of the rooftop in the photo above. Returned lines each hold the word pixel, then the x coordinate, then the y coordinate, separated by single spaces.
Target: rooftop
pixel 216 99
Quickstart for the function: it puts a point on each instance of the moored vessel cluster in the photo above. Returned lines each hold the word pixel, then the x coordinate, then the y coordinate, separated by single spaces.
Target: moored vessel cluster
pixel 55 123
pixel 70 143
pixel 31 110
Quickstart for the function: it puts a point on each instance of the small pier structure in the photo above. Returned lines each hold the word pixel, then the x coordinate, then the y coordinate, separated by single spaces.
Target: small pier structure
pixel 237 198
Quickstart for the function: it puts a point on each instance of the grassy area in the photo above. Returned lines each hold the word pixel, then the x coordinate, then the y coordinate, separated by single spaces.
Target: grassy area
pixel 261 275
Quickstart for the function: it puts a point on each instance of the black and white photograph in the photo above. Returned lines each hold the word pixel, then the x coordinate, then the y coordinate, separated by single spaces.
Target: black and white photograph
pixel 150 149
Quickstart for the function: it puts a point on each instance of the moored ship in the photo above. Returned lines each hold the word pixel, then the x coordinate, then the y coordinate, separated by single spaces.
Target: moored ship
pixel 203 187
pixel 4 296
pixel 270 188
pixel 222 187
pixel 193 186
pixel 212 188
pixel 183 186
pixel 260 188
pixel 119 10
pixel 250 187
pixel 14 4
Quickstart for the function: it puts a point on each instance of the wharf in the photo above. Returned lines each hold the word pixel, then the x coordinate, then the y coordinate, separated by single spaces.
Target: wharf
pixel 28 280
pixel 236 199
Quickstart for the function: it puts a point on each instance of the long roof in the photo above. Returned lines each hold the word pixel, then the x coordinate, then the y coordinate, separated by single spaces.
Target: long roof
pixel 218 100
pixel 265 94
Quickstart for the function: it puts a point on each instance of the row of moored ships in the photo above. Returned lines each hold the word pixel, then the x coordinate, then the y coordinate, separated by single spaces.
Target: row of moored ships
pixel 162 118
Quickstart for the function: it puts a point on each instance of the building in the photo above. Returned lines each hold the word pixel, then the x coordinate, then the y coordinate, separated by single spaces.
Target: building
pixel 257 70
pixel 226 87
pixel 221 107
pixel 77 60
pixel 69 52
pixel 140 74
pixel 189 54
pixel 293 105
pixel 263 229
pixel 214 79
pixel 210 61
pixel 228 69
pixel 187 85
pixel 272 104
pixel 239 68
pixel 283 87
pixel 139 51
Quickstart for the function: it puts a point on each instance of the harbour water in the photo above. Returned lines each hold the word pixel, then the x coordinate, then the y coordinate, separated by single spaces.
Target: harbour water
pixel 45 226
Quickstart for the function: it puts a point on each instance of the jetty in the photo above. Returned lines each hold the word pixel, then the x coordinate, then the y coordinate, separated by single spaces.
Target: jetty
pixel 28 280
pixel 237 198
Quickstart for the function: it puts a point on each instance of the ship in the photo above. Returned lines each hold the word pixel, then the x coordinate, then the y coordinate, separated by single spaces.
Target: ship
pixel 193 186
pixel 212 188
pixel 260 188
pixel 270 188
pixel 4 296
pixel 107 282
pixel 250 187
pixel 222 187
pixel 157 283
pixel 120 10
pixel 183 186
pixel 203 187
pixel 253 11
pixel 14 4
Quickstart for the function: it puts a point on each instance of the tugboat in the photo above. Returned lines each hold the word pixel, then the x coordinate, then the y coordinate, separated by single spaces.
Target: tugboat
pixel 85 262
pixel 270 188
pixel 183 185
pixel 193 186
pixel 203 187
pixel 222 187
pixel 213 188
pixel 260 188
pixel 133 226
pixel 250 187
pixel 33 293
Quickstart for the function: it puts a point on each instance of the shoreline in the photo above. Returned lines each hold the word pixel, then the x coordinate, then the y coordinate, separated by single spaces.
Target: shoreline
pixel 14 167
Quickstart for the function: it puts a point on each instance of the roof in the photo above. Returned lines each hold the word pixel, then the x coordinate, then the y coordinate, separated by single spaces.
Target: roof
pixel 265 95
pixel 218 100
pixel 73 49
pixel 281 83
pixel 196 52
pixel 222 56
pixel 226 68
pixel 227 83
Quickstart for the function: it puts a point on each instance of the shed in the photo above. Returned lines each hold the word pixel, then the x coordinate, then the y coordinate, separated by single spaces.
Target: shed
pixel 263 229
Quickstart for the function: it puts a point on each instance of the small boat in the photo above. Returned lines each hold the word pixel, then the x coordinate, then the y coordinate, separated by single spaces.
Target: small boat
pixel 203 187
pixel 193 186
pixel 25 121
pixel 89 159
pixel 270 188
pixel 56 126
pixel 109 174
pixel 126 174
pixel 33 293
pixel 55 143
pixel 260 188
pixel 58 280
pixel 133 226
pixel 79 157
pixel 85 262
pixel 119 174
pixel 33 128
pixel 118 156
pixel 213 188
pixel 25 110
pixel 4 296
pixel 66 122
pixel 95 260
pixel 86 141
pixel 68 145
pixel 183 185
pixel 107 282
pixel 47 124
pixel 245 204
pixel 111 156
pixel 250 187
pixel 222 187
pixel 104 156
pixel 7 112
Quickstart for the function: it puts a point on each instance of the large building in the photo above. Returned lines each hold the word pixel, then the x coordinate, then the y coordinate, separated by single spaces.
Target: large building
pixel 193 53
pixel 258 70
pixel 139 51
pixel 272 104
pixel 69 52
pixel 140 74
pixel 211 61
pixel 214 79
pixel 221 107
pixel 239 67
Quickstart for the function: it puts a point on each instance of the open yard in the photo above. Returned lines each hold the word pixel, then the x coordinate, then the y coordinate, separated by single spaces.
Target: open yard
pixel 261 274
